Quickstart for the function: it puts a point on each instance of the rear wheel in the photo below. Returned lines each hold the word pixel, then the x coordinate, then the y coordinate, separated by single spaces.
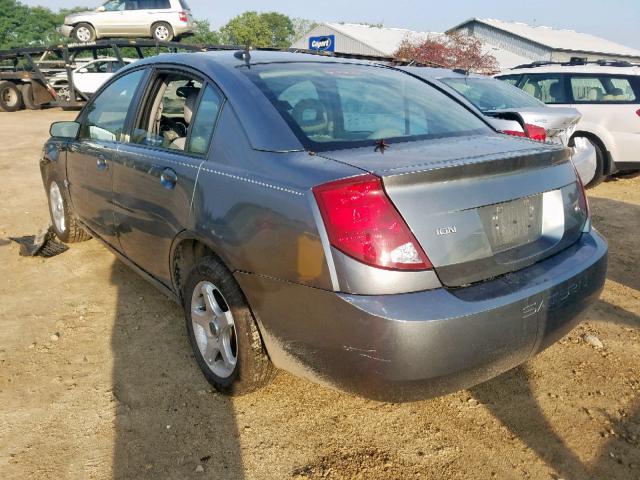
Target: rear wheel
pixel 10 97
pixel 222 331
pixel 27 97
pixel 162 32
pixel 65 224
pixel 84 33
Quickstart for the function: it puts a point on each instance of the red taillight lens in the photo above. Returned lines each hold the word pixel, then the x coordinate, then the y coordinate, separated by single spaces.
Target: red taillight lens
pixel 514 133
pixel 534 132
pixel 638 112
pixel 183 16
pixel 362 222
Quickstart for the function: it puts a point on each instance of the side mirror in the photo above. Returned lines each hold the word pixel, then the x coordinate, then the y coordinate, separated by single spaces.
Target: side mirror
pixel 83 70
pixel 68 130
pixel 101 8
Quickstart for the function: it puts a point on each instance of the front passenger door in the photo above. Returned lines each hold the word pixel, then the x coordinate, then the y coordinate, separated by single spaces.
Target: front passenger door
pixel 90 157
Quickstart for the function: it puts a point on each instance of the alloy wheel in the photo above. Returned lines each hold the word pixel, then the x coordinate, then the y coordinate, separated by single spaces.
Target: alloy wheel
pixel 214 329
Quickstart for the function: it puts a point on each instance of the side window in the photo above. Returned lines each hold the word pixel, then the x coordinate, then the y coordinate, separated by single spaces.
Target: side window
pixel 105 116
pixel 205 121
pixel 172 117
pixel 134 4
pixel 549 88
pixel 601 89
pixel 510 79
pixel 114 5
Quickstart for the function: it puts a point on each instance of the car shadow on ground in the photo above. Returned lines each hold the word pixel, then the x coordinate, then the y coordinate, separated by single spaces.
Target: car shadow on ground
pixel 529 423
pixel 169 423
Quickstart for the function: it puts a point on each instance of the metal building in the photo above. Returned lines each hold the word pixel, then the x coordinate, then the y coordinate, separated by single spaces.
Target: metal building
pixel 543 43
pixel 358 39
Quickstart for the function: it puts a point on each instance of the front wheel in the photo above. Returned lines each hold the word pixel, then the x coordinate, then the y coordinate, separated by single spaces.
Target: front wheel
pixel 64 222
pixel 84 33
pixel 162 32
pixel 222 331
pixel 10 97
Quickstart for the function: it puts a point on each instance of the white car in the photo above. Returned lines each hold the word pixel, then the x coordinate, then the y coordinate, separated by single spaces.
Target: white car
pixel 607 94
pixel 89 77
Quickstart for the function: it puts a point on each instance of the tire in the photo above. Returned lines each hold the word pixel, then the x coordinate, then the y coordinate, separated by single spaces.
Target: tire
pixel 83 33
pixel 10 97
pixel 233 326
pixel 27 97
pixel 64 222
pixel 162 32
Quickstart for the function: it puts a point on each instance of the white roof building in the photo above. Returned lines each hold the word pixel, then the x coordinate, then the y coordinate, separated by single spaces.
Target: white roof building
pixel 360 39
pixel 528 43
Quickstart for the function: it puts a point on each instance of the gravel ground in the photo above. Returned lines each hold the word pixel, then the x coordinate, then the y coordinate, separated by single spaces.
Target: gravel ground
pixel 97 379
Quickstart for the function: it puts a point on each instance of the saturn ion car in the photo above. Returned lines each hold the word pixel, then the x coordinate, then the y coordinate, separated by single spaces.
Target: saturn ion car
pixel 338 219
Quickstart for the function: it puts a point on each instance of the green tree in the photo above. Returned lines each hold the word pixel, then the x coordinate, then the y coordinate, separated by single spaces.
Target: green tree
pixel 255 29
pixel 281 27
pixel 302 26
pixel 203 34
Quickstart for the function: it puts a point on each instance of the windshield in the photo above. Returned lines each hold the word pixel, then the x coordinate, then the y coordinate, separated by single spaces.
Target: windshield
pixel 488 94
pixel 332 105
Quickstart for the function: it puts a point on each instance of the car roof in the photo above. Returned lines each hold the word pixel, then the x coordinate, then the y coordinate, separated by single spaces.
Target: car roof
pixel 438 73
pixel 585 68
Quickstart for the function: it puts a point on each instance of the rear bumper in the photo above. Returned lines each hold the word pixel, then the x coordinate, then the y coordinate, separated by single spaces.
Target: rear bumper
pixel 411 346
pixel 66 30
pixel 183 29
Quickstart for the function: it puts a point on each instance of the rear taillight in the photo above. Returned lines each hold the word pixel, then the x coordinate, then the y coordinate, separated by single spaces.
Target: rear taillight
pixel 362 222
pixel 638 112
pixel 583 201
pixel 533 132
pixel 183 16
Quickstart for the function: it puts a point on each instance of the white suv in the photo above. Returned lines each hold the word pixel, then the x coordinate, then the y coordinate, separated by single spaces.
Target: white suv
pixel 162 20
pixel 607 94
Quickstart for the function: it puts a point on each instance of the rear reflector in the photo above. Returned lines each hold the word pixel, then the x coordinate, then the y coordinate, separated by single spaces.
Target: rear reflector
pixel 183 16
pixel 362 222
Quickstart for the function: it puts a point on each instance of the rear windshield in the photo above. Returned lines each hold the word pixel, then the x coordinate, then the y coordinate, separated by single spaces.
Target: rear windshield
pixel 333 105
pixel 488 94
pixel 184 5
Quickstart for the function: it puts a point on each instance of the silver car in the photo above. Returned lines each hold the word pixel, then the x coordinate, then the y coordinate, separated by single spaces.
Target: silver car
pixel 162 20
pixel 511 111
pixel 343 221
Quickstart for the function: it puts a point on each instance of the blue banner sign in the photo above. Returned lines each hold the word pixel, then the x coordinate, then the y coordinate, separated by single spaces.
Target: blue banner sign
pixel 326 43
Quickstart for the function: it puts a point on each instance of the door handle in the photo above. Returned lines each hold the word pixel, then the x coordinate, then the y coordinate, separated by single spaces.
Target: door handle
pixel 101 163
pixel 168 179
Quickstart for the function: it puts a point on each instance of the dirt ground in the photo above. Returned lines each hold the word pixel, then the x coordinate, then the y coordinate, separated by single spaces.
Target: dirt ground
pixel 97 379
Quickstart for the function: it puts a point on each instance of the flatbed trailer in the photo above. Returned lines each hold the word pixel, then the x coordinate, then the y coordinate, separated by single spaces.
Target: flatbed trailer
pixel 25 73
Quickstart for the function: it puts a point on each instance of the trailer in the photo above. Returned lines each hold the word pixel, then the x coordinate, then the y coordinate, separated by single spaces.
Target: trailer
pixel 30 77
pixel 26 73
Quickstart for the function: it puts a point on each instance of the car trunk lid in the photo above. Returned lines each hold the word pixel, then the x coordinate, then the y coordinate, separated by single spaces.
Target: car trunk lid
pixel 480 206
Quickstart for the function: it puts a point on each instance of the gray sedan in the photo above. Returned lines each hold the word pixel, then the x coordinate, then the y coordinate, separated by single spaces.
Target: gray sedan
pixel 341 220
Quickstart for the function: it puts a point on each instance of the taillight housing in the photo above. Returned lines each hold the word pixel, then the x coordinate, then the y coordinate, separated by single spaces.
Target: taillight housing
pixel 183 16
pixel 362 223
pixel 534 132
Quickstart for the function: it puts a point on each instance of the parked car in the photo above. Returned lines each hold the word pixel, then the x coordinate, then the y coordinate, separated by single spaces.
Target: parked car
pixel 337 219
pixel 88 77
pixel 162 20
pixel 511 111
pixel 607 94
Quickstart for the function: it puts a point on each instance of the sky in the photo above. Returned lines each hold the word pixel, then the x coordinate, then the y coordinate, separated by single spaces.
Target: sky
pixel 616 20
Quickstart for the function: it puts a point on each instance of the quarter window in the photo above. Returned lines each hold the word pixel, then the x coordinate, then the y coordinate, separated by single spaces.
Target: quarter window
pixel 547 88
pixel 602 89
pixel 105 117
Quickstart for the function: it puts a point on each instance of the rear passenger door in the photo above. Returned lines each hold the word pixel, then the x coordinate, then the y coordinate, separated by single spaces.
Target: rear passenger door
pixel 550 88
pixel 611 101
pixel 157 169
